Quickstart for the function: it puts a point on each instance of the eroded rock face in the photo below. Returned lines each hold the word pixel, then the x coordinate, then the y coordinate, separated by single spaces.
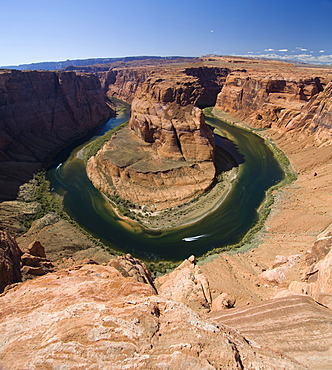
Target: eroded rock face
pixel 317 272
pixel 186 284
pixel 166 157
pixel 94 317
pixel 296 326
pixel 39 113
pixel 179 133
pixel 286 102
pixel 201 83
pixel 10 261
pixel 129 266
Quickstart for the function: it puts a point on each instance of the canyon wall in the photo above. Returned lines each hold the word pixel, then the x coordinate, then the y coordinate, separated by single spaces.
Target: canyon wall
pixel 167 153
pixel 287 102
pixel 40 112
pixel 202 83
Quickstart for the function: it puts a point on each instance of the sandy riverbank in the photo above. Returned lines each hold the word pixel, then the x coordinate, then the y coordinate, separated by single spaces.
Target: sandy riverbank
pixel 194 211
pixel 184 214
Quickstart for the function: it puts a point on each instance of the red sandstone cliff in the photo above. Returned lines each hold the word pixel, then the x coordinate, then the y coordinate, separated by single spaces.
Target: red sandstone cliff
pixel 286 101
pixel 39 113
pixel 201 83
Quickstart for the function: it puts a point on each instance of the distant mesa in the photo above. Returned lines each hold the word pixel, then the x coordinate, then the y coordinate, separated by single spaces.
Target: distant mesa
pixel 72 64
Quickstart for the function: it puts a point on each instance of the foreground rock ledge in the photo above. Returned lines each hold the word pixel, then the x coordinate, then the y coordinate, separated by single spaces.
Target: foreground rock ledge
pixel 94 317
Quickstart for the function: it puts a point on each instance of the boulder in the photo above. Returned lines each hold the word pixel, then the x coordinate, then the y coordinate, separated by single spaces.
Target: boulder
pixel 279 274
pixel 223 301
pixel 186 284
pixel 34 271
pixel 37 249
pixel 129 266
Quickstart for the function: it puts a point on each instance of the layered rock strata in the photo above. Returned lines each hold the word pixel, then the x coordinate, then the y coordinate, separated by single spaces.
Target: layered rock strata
pixel 94 317
pixel 202 83
pixel 39 113
pixel 165 156
pixel 296 326
pixel 289 102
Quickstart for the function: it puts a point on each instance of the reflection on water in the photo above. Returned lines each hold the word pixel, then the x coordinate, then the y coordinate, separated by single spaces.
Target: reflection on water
pixel 258 170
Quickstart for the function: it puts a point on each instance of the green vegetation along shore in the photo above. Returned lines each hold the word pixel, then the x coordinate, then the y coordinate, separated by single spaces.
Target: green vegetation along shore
pixel 266 206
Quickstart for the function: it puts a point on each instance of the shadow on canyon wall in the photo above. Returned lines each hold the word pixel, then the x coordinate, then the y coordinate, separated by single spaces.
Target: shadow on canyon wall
pixel 227 155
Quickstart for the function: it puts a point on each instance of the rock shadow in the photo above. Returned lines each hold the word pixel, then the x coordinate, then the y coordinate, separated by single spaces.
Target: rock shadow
pixel 227 155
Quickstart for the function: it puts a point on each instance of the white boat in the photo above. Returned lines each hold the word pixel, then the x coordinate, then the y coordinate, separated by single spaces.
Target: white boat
pixel 193 238
pixel 59 165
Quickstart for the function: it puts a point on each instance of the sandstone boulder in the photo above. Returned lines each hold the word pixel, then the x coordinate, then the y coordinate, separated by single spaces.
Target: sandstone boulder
pixel 281 267
pixel 316 272
pixel 37 249
pixel 33 270
pixel 34 261
pixel 186 284
pixel 223 301
pixel 317 281
pixel 129 266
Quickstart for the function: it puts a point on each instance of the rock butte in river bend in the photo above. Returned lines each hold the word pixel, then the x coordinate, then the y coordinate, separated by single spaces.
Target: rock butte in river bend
pixel 96 316
pixel 166 155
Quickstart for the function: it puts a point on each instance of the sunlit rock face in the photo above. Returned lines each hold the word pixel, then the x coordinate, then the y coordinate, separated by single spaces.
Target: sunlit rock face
pixel 92 316
pixel 288 102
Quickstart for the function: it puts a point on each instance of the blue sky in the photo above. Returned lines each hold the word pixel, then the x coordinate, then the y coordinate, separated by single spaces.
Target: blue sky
pixel 36 31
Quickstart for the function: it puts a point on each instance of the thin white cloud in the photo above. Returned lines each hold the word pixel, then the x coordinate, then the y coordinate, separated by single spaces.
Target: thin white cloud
pixel 283 50
pixel 269 50
pixel 306 58
pixel 301 49
pixel 322 51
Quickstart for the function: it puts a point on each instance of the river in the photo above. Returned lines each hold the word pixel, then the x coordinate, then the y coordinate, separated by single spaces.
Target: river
pixel 225 226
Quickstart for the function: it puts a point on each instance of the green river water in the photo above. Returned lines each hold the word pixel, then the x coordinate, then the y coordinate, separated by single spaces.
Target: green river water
pixel 225 226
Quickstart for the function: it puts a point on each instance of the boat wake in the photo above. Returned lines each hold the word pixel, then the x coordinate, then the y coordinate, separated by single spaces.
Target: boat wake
pixel 193 238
